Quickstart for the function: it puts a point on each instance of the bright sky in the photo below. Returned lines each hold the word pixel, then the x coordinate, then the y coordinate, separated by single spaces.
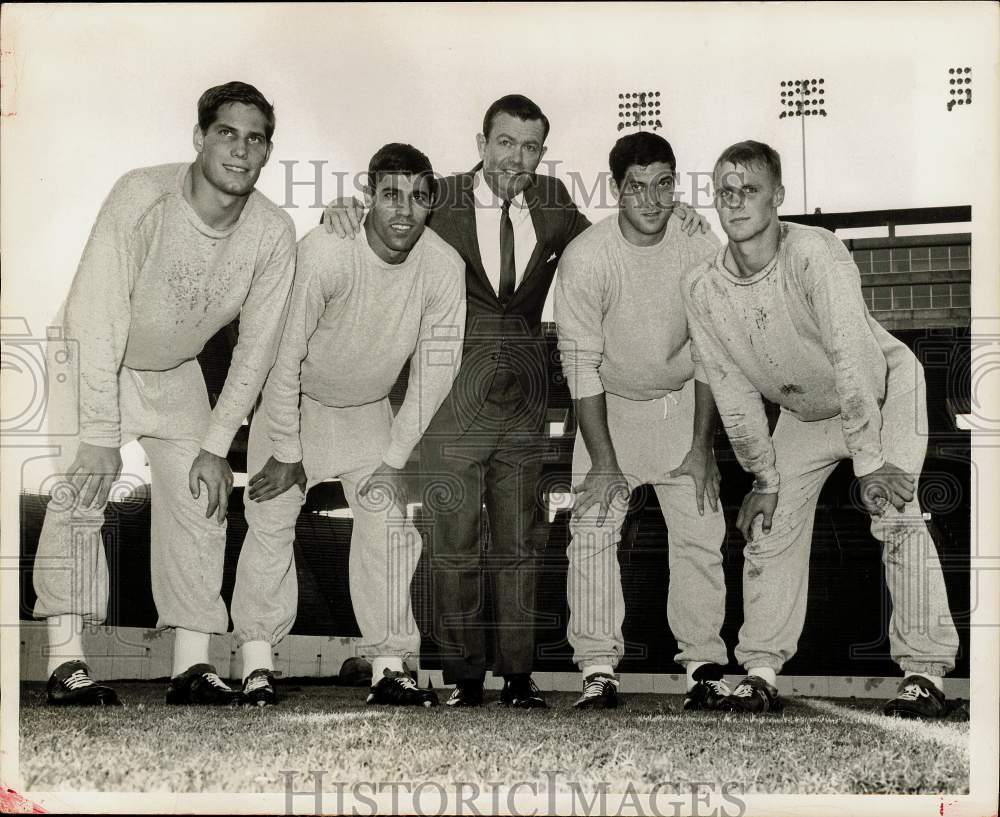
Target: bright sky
pixel 91 91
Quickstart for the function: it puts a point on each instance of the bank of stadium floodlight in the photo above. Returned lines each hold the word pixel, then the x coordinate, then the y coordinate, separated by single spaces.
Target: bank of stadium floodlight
pixel 639 109
pixel 802 98
pixel 960 93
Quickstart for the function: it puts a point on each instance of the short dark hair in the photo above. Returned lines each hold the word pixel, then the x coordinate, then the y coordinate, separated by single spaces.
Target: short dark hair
pixel 215 98
pixel 642 148
pixel 753 154
pixel 517 106
pixel 397 157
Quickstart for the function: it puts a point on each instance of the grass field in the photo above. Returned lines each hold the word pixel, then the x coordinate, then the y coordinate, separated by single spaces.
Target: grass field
pixel 816 746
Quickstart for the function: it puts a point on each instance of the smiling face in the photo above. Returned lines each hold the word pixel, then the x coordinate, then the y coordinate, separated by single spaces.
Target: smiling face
pixel 398 208
pixel 746 199
pixel 645 201
pixel 233 149
pixel 510 153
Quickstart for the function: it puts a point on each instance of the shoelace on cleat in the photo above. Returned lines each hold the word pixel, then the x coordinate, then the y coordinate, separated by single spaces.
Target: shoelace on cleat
pixel 594 688
pixel 216 681
pixel 78 680
pixel 255 682
pixel 719 688
pixel 406 682
pixel 913 691
pixel 744 691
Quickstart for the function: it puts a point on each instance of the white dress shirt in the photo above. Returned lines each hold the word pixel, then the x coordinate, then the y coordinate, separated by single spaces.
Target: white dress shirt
pixel 488 232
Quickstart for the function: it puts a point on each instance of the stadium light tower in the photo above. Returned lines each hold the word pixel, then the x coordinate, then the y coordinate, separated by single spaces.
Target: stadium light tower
pixel 639 109
pixel 802 98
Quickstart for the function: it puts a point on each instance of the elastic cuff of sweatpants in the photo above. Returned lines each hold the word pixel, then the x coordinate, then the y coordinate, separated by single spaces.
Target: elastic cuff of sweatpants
pixel 937 669
pixel 590 660
pixel 764 662
pixel 241 637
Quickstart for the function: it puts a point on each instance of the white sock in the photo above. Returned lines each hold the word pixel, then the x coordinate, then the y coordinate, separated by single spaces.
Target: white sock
pixel 934 679
pixel 256 655
pixel 691 666
pixel 590 669
pixel 766 673
pixel 393 663
pixel 65 634
pixel 190 648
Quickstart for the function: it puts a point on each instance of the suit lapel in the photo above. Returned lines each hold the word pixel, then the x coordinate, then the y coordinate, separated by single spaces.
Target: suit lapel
pixel 541 231
pixel 465 218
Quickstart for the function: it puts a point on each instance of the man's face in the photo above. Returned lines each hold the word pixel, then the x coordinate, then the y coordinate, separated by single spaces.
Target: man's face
pixel 234 148
pixel 512 152
pixel 746 199
pixel 645 198
pixel 398 209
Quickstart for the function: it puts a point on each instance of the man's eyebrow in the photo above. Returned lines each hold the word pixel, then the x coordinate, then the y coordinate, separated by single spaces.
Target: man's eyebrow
pixel 221 123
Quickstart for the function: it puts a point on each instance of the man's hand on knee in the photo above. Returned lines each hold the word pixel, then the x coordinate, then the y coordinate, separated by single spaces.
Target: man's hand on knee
pixel 274 479
pixel 385 482
pixel 754 505
pixel 215 472
pixel 93 472
pixel 887 485
pixel 601 486
pixel 699 464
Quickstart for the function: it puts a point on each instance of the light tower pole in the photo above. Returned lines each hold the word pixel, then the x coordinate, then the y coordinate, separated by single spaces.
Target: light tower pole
pixel 802 98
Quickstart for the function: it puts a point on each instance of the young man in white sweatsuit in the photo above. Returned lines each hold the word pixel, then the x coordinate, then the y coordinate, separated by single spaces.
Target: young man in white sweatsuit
pixel 360 310
pixel 177 252
pixel 643 419
pixel 778 313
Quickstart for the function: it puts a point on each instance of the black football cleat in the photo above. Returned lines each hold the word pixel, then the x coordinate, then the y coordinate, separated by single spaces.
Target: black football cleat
pixel 753 695
pixel 709 690
pixel 201 684
pixel 600 691
pixel 399 689
pixel 258 689
pixel 71 685
pixel 917 698
pixel 466 693
pixel 520 692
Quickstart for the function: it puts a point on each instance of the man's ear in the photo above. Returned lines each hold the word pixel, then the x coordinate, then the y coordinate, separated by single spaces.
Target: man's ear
pixel 779 196
pixel 369 196
pixel 198 139
pixel 481 144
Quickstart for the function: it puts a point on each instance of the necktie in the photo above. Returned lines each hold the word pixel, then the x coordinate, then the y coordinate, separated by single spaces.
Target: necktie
pixel 506 254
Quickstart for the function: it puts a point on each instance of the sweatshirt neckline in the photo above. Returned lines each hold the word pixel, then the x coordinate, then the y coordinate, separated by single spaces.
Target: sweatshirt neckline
pixel 374 259
pixel 763 272
pixel 195 219
pixel 652 249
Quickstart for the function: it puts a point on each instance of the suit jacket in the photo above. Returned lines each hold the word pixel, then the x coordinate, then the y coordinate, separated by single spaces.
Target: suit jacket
pixel 497 335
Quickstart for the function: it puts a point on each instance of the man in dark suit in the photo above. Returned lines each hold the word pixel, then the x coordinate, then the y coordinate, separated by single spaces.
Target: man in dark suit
pixel 485 445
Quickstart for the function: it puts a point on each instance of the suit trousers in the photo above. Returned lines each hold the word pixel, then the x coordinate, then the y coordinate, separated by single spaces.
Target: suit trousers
pixel 345 444
pixel 651 438
pixel 494 462
pixel 167 412
pixel 922 636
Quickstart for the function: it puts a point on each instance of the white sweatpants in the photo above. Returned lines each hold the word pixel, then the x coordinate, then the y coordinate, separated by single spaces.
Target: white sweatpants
pixel 922 636
pixel 337 443
pixel 167 412
pixel 651 438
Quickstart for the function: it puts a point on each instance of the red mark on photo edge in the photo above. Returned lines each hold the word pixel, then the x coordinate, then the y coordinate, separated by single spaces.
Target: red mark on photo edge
pixel 12 803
